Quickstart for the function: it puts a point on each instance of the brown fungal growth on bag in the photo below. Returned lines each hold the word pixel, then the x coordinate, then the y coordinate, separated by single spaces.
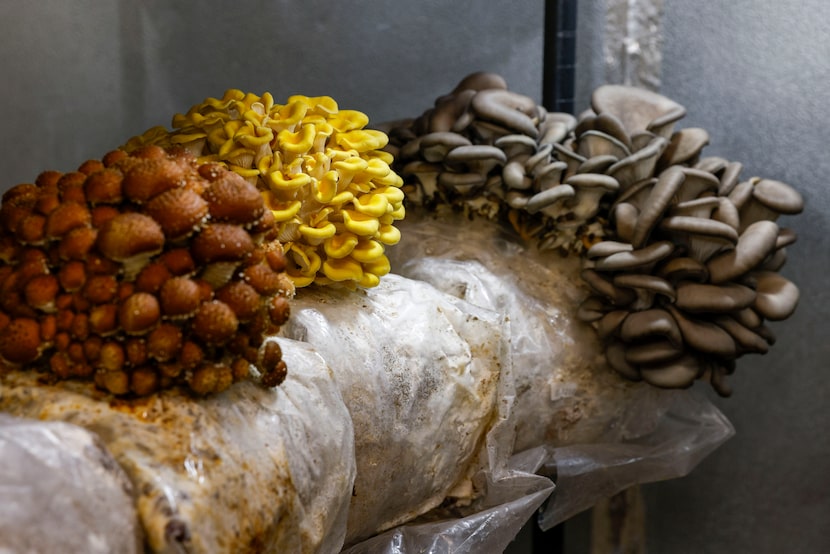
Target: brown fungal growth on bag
pixel 136 273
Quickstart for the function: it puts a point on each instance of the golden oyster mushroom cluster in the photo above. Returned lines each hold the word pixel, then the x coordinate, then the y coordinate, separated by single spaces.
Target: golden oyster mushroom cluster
pixel 322 174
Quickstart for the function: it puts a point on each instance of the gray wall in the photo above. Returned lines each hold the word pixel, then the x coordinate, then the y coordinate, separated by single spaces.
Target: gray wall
pixel 755 74
pixel 80 78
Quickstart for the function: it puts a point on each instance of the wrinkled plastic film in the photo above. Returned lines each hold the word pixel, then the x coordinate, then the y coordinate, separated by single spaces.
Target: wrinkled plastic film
pixel 682 429
pixel 420 372
pixel 62 491
pixel 632 46
pixel 602 434
pixel 250 466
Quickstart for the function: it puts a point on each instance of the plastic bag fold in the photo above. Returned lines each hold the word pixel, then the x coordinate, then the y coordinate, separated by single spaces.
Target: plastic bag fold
pixel 251 468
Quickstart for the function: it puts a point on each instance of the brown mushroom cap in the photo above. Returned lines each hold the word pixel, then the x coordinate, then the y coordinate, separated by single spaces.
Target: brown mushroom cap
pixel 221 242
pixel 178 211
pixel 91 288
pixel 776 297
pixel 215 323
pixel 139 313
pixel 143 181
pixel 20 341
pixel 232 199
pixel 128 235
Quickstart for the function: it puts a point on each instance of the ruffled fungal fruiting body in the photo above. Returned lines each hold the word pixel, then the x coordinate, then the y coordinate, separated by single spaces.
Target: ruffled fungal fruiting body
pixel 681 254
pixel 128 285
pixel 495 153
pixel 688 276
pixel 324 179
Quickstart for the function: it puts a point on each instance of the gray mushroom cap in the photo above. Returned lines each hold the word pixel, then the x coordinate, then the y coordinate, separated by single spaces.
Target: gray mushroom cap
pixel 753 246
pixel 679 373
pixel 771 198
pixel 597 164
pixel 513 145
pixel 451 112
pixel 696 184
pixel 698 207
pixel 556 127
pixel 705 298
pixel 480 80
pixel 729 177
pixel 546 198
pixel 434 147
pixel 639 165
pixel 685 145
pixel 702 237
pixel 646 287
pixel 747 340
pixel 606 248
pixel 590 187
pixel 480 158
pixel 684 269
pixel 776 297
pixel 656 204
pixel 462 183
pixel 704 336
pixel 508 109
pixel 637 109
pixel 596 143
pixel 636 258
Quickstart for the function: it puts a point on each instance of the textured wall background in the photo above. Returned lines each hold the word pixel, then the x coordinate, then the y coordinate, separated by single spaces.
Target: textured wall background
pixel 81 77
pixel 755 74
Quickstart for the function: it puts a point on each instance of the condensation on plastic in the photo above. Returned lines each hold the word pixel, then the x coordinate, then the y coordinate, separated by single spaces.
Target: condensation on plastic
pixel 422 375
pixel 251 468
pixel 602 433
pixel 61 491
pixel 632 44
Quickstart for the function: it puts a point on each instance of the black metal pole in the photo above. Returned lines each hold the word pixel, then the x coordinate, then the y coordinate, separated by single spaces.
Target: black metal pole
pixel 559 57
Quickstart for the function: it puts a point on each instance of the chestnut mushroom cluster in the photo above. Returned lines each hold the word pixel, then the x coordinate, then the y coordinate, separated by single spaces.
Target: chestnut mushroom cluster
pixel 681 255
pixel 142 272
pixel 322 174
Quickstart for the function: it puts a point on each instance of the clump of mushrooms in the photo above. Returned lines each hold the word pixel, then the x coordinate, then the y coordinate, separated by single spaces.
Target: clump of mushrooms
pixel 689 276
pixel 142 272
pixel 495 153
pixel 323 176
pixel 681 256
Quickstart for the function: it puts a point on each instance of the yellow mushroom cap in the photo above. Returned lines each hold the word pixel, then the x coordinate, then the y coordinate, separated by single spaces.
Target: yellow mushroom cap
pixel 320 171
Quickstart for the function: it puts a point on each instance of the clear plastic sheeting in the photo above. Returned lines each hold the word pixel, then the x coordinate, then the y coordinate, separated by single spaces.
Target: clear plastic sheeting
pixel 61 491
pixel 665 435
pixel 421 373
pixel 249 469
pixel 490 524
pixel 577 422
